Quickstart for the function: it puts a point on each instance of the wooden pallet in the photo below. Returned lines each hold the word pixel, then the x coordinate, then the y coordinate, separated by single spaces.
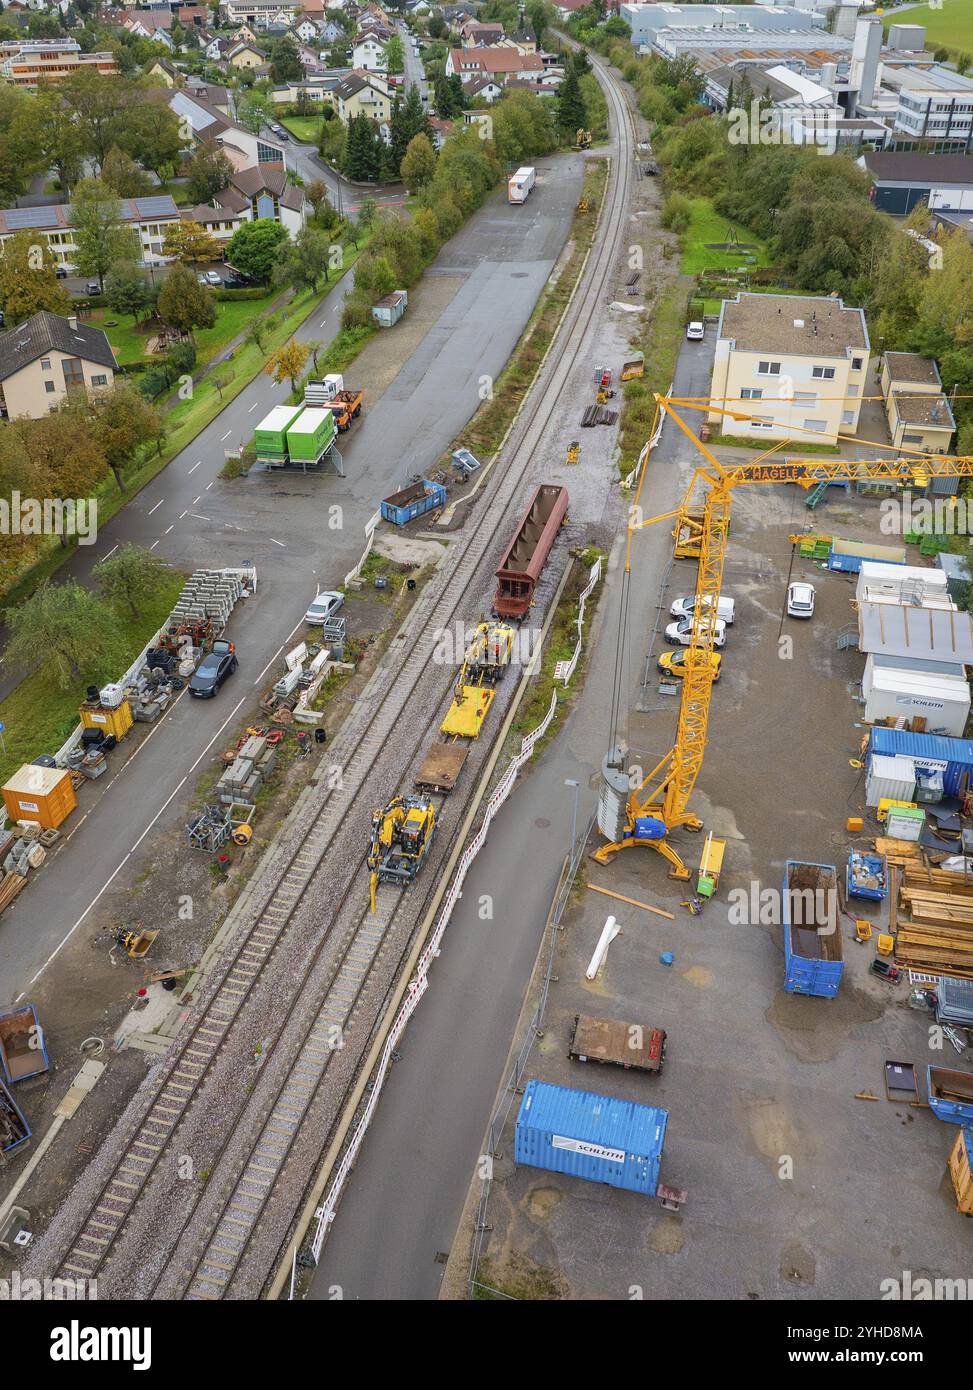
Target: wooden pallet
pixel 10 886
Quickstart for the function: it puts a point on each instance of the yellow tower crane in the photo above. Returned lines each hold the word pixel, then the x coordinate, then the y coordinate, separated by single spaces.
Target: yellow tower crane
pixel 646 810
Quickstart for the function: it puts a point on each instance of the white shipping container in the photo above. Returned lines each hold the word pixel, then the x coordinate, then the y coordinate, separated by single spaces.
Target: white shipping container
pixel 892 693
pixel 520 185
pixel 889 579
pixel 891 777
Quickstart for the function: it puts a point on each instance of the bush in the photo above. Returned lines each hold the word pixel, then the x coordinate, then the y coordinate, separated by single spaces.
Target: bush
pixel 153 384
pixel 181 358
pixel 676 213
pixel 247 292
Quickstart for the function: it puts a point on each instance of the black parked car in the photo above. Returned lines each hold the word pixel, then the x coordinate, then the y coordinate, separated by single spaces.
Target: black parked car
pixel 216 666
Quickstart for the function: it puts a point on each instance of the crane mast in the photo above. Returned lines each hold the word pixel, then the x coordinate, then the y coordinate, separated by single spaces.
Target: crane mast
pixel 645 810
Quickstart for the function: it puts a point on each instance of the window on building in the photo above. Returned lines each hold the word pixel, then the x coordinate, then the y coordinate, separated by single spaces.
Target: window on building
pixel 805 395
pixel 45 364
pixel 751 393
pixel 816 426
pixel 768 369
pixel 823 373
pixel 761 422
pixel 912 439
pixel 857 363
pixel 847 417
pixel 100 380
pixel 49 387
pixel 73 373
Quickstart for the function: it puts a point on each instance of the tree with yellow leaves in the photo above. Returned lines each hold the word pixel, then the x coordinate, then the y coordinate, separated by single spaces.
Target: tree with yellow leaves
pixel 287 362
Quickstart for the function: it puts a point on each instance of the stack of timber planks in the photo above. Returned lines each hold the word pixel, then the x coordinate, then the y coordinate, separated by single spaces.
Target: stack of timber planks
pixel 938 935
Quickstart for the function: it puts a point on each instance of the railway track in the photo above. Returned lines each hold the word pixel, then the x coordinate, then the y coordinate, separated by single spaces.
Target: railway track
pixel 202 1232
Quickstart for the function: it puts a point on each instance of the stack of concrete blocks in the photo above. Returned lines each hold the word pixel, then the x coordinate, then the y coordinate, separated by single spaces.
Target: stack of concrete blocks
pixel 208 594
pixel 252 766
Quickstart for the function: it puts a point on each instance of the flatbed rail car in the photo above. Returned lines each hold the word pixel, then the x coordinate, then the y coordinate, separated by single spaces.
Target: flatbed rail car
pixel 628 1045
pixel 441 767
pixel 521 566
pixel 22 1050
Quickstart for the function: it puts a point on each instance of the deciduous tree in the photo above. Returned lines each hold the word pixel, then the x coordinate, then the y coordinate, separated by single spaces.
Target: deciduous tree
pixel 64 631
pixel 184 303
pixel 27 280
pixel 130 576
pixel 254 248
pixel 191 244
pixel 102 239
pixel 287 362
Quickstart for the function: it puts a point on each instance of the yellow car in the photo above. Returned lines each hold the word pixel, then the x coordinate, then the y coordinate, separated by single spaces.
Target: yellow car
pixel 674 663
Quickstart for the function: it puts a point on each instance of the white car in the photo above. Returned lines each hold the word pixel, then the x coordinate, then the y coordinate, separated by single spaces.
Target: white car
pixel 683 608
pixel 800 600
pixel 695 331
pixel 213 278
pixel 681 634
pixel 324 607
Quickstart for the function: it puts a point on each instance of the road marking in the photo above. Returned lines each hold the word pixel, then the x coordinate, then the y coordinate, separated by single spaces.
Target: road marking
pixel 208 486
pixel 153 545
pixel 196 499
pixel 280 543
pixel 269 664
pixel 168 529
pixel 198 517
pixel 157 505
pixel 226 436
pixel 194 467
pixel 182 514
pixel 253 408
pixel 111 552
pixel 107 884
pixel 323 323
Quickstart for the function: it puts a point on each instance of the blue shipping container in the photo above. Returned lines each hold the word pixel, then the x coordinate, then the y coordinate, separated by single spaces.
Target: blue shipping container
pixel 953 755
pixel 413 501
pixel 590 1136
pixel 950 1094
pixel 23 1051
pixel 813 962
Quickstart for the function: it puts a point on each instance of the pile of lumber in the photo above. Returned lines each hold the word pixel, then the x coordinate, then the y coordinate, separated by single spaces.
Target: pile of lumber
pixel 939 934
pixel 10 886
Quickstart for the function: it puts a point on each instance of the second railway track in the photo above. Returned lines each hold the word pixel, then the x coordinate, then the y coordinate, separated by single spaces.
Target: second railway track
pixel 133 1198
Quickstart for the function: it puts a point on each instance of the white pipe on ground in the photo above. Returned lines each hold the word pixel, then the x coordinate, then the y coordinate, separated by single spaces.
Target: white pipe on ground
pixel 608 934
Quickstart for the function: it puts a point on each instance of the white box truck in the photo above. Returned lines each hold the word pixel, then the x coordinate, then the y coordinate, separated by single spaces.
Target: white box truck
pixel 520 184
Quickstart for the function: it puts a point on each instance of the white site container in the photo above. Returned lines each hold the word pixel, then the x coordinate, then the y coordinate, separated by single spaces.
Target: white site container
pixel 894 778
pixel 877 581
pixel 520 184
pixel 897 692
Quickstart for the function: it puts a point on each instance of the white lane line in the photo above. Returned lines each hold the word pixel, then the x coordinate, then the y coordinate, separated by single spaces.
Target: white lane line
pixel 253 407
pixel 198 517
pixel 226 436
pixel 209 485
pixel 280 543
pixel 157 505
pixel 153 545
pixel 194 467
pixel 196 499
pixel 145 832
pixel 111 552
pixel 269 664
pixel 182 514
pixel 168 529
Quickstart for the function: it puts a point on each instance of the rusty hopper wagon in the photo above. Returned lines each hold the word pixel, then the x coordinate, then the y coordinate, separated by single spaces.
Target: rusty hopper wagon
pixel 527 555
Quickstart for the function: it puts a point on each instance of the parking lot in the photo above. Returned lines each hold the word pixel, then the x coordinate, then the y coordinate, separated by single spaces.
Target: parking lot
pixel 797 1189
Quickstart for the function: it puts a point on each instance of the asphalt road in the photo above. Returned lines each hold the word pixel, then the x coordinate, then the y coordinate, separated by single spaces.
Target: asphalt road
pixel 414 73
pixel 345 196
pixel 192 518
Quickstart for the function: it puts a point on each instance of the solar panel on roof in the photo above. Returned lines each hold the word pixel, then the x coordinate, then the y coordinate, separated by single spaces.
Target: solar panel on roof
pixel 155 205
pixel 18 218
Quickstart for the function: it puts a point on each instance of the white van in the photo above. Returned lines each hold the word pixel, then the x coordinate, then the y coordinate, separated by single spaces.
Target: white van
pixel 683 608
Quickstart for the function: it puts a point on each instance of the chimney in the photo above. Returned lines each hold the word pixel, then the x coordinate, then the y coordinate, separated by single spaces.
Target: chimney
pixel 73 322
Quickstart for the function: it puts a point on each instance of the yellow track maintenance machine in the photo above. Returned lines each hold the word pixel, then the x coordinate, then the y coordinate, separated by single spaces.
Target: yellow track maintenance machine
pixel 401 837
pixel 487 658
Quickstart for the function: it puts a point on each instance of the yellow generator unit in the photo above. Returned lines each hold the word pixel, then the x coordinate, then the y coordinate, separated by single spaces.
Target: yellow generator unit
pixel 401 836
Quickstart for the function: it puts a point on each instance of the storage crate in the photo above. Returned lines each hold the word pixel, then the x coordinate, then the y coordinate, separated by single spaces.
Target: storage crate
pixel 961 1169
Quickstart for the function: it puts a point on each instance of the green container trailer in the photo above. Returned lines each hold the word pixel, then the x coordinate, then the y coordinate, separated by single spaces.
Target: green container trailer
pixel 310 435
pixel 270 436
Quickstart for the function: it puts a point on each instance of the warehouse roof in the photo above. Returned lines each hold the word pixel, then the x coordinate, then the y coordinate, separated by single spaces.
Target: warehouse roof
pixel 803 324
pixel 47 332
pixel 894 166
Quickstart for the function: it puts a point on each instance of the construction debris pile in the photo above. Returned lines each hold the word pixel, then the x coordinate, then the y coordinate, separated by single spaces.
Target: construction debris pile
pixel 307 668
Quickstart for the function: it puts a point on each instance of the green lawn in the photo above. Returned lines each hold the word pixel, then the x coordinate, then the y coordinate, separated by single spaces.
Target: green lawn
pixel 304 128
pixel 948 25
pixel 709 227
pixel 39 717
pixel 232 317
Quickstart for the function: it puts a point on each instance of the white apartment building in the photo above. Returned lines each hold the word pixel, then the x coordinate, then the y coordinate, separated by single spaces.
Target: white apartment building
pixel 151 218
pixel 801 360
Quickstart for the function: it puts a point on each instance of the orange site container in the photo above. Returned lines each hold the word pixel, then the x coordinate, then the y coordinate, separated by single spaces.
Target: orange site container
pixel 41 794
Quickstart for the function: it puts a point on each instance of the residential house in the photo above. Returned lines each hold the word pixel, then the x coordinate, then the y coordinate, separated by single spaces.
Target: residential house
pixel 215 94
pixel 525 40
pixel 150 24
pixel 330 32
pixel 473 33
pixel 362 94
pixel 245 34
pixel 245 55
pixel 46 359
pixel 483 120
pixel 495 61
pixel 319 85
pixel 305 30
pixel 211 127
pixel 165 72
pixel 149 216
pixel 252 195
pixel 26 63
pixel 801 359
pixel 439 131
pixel 368 54
pixel 484 87
pixel 258 13
pixel 919 415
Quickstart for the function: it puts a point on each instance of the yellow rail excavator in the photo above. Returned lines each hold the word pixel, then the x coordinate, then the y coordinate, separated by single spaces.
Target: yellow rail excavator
pixel 401 837
pixel 583 139
pixel 637 809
